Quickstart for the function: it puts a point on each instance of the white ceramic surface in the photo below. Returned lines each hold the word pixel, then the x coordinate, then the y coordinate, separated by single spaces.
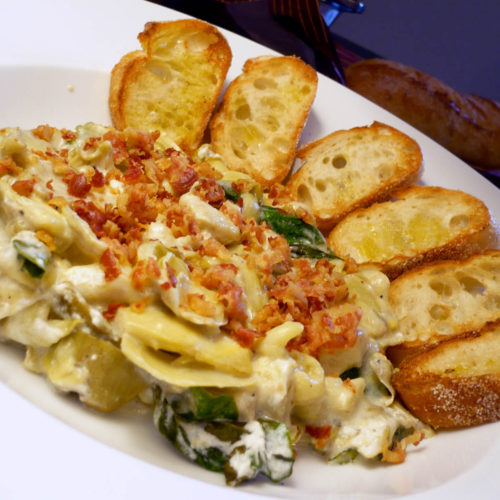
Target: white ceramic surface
pixel 54 68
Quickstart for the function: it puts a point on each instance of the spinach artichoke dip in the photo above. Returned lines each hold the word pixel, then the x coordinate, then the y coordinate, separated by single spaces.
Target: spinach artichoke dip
pixel 131 271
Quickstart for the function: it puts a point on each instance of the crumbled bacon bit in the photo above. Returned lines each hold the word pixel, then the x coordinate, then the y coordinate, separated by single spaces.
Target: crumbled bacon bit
pixel 280 194
pixel 91 142
pixel 68 135
pixel 220 273
pixel 44 132
pixel 204 169
pixel 319 431
pixel 321 434
pixel 134 172
pixel 214 248
pixel 46 238
pixel 119 145
pixel 144 271
pixel 94 217
pixel 233 213
pixel 111 310
pixel 98 179
pixel 180 222
pixel 24 188
pixel 315 296
pixel 142 142
pixel 180 174
pixel 78 185
pixel 220 278
pixel 49 186
pixel 8 166
pixel 142 205
pixel 199 304
pixel 208 190
pixel 324 332
pixel 110 264
pixel 245 336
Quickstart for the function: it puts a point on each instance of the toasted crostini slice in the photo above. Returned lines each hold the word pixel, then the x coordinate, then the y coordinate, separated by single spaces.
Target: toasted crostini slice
pixel 420 224
pixel 456 383
pixel 443 300
pixel 353 168
pixel 173 83
pixel 263 112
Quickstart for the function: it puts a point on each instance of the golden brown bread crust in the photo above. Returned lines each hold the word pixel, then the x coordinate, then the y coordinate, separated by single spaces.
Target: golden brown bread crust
pixel 467 125
pixel 468 312
pixel 440 391
pixel 118 89
pixel 262 141
pixel 459 246
pixel 363 179
pixel 182 61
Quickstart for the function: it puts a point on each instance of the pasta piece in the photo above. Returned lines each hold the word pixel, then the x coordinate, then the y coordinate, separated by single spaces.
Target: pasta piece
pixel 210 219
pixel 91 283
pixel 274 343
pixel 309 379
pixel 84 240
pixel 14 297
pixel 159 329
pixel 31 326
pixel 161 366
pixel 26 213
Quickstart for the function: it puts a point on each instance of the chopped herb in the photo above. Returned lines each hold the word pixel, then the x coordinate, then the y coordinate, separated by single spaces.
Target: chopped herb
pixel 401 433
pixel 240 450
pixel 304 239
pixel 199 404
pixel 229 191
pixel 346 456
pixel 35 257
pixel 351 373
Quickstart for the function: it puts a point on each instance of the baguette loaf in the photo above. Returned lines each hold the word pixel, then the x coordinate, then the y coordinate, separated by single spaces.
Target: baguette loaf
pixel 257 127
pixel 173 84
pixel 444 300
pixel 353 168
pixel 422 224
pixel 467 125
pixel 455 384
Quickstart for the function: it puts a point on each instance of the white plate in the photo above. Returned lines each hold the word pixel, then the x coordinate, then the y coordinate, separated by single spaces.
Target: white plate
pixel 54 68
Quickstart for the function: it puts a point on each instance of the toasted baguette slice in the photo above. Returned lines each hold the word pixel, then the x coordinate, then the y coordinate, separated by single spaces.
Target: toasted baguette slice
pixel 457 383
pixel 353 168
pixel 173 84
pixel 263 112
pixel 422 224
pixel 444 300
pixel 467 125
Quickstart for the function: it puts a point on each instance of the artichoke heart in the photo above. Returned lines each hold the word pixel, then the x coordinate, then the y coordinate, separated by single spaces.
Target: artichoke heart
pixel 95 369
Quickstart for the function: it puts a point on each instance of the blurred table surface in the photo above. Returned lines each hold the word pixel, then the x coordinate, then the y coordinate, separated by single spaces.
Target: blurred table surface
pixel 457 41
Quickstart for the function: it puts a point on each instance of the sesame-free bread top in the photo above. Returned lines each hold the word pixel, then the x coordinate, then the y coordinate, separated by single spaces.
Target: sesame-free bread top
pixel 446 299
pixel 258 124
pixel 420 224
pixel 173 83
pixel 456 383
pixel 353 168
